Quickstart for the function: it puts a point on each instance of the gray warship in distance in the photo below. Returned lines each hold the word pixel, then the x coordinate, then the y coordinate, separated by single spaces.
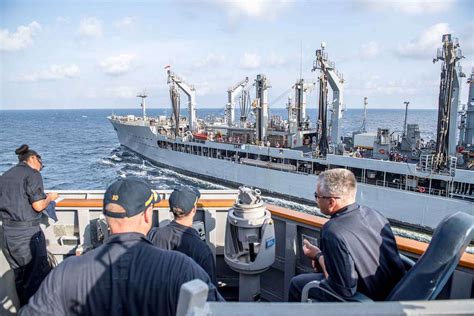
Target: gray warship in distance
pixel 410 181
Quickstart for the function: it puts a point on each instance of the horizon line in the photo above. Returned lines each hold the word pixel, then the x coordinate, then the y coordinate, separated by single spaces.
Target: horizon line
pixel 208 108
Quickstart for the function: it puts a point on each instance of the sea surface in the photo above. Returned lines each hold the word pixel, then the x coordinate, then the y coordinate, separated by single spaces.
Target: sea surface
pixel 80 148
pixel 81 151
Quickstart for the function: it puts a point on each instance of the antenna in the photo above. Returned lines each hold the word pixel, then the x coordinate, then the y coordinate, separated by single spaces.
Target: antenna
pixel 301 59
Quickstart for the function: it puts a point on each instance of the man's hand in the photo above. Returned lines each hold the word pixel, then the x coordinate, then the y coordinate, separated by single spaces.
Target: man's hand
pixel 52 196
pixel 323 266
pixel 310 250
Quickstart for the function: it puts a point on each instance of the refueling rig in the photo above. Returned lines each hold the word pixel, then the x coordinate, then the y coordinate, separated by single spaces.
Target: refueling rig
pixel 256 125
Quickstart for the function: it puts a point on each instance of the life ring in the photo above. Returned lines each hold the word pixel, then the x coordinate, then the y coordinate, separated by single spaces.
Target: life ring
pixel 421 189
pixel 382 151
pixel 295 141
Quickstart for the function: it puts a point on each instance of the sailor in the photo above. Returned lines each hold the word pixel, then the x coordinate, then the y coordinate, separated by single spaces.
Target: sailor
pixel 180 235
pixel 358 250
pixel 127 275
pixel 22 200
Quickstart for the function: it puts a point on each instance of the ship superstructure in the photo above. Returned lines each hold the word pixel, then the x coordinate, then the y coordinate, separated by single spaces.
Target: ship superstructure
pixel 408 179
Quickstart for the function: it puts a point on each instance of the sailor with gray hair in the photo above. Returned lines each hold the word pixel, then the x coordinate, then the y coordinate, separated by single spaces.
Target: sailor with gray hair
pixel 338 182
pixel 357 250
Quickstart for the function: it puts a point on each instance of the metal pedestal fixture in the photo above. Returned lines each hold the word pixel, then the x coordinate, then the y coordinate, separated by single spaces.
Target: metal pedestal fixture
pixel 249 241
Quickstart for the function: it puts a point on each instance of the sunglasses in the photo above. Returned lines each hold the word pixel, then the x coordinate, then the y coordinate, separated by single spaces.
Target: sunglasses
pixel 38 157
pixel 316 196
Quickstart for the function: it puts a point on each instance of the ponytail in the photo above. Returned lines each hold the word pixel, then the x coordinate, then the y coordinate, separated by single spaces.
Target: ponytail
pixel 24 152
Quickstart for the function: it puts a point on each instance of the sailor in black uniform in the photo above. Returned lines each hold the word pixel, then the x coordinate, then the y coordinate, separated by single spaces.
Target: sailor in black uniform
pixel 127 275
pixel 22 200
pixel 180 235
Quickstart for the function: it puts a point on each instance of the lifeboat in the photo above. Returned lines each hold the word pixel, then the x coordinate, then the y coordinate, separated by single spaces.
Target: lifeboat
pixel 201 136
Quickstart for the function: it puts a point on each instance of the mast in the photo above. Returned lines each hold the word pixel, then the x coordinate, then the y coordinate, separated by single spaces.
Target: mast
pixel 405 122
pixel 142 104
pixel 261 107
pixel 363 127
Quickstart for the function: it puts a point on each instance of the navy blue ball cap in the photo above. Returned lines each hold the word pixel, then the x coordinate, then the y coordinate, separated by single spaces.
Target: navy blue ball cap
pixel 133 194
pixel 184 198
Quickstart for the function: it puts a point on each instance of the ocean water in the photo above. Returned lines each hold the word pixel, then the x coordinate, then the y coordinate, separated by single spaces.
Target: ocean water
pixel 81 151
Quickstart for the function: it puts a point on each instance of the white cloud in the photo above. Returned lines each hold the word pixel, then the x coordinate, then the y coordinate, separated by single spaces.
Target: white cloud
pixel 22 38
pixel 275 60
pixel 411 7
pixel 211 60
pixel 266 9
pixel 121 92
pixel 54 72
pixel 466 39
pixel 250 61
pixel 125 23
pixel 118 65
pixel 370 50
pixel 374 85
pixel 90 27
pixel 425 44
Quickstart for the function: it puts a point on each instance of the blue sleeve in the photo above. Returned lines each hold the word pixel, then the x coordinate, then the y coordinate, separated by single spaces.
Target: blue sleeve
pixel 209 266
pixel 342 276
pixel 196 272
pixel 48 299
pixel 34 187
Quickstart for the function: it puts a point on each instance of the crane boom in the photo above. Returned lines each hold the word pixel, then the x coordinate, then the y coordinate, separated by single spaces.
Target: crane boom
pixel 190 93
pixel 231 94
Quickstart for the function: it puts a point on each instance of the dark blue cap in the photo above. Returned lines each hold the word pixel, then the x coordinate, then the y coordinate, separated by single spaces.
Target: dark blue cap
pixel 133 194
pixel 184 198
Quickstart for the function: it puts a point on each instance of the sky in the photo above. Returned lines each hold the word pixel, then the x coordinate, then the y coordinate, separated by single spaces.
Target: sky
pixel 101 54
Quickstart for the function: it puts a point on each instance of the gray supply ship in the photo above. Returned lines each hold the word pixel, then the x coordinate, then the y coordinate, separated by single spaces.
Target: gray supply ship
pixel 409 180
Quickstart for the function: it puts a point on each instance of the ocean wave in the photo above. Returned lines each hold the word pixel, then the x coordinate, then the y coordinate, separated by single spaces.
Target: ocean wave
pixel 313 210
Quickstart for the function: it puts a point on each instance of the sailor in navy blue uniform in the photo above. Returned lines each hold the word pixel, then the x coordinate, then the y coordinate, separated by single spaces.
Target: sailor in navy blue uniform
pixel 125 276
pixel 180 235
pixel 358 250
pixel 22 201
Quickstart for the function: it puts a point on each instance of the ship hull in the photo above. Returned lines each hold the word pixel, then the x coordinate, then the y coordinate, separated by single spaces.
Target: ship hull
pixel 407 207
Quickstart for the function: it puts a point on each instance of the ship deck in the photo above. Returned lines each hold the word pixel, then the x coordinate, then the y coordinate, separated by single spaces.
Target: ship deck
pixel 77 231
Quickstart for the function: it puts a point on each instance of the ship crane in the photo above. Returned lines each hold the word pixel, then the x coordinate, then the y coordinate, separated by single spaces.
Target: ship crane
pixel 231 94
pixel 300 101
pixel 244 102
pixel 448 103
pixel 328 74
pixel 190 92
